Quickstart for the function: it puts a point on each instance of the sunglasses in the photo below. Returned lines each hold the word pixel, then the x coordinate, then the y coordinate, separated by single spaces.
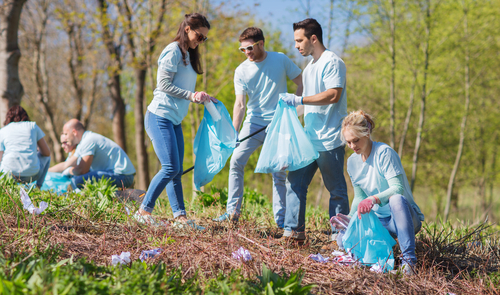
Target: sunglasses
pixel 200 36
pixel 248 48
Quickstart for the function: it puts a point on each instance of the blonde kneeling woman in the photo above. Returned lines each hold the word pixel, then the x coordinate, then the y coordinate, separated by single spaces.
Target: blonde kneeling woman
pixel 380 184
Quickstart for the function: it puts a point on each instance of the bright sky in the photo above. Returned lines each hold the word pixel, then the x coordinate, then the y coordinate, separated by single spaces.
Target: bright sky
pixel 281 14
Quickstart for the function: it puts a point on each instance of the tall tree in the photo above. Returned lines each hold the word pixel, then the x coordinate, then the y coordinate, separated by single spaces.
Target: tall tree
pixel 40 13
pixel 74 22
pixel 463 125
pixel 11 89
pixel 114 49
pixel 141 46
pixel 428 22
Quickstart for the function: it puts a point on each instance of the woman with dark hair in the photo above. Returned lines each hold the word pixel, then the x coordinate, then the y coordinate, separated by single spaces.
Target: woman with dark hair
pixel 19 139
pixel 178 66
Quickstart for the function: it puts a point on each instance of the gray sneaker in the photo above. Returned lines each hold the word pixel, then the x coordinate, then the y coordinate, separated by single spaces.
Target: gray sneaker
pixel 299 236
pixel 227 217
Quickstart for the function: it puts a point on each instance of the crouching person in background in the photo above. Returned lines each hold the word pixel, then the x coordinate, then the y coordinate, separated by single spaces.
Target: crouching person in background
pixel 380 184
pixel 24 153
pixel 100 157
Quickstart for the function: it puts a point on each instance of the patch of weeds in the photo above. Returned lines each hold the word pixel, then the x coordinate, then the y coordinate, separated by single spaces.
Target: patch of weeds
pixel 216 197
pixel 272 283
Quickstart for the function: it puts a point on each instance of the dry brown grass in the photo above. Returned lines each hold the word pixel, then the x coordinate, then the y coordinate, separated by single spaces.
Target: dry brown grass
pixel 442 267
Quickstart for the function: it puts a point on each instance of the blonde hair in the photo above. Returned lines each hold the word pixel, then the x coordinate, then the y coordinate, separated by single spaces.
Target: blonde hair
pixel 359 123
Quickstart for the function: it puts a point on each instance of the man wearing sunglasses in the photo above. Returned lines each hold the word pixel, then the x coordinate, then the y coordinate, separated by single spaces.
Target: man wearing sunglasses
pixel 325 106
pixel 261 77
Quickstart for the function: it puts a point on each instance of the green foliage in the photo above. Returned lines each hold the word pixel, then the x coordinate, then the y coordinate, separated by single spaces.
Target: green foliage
pixel 100 193
pixel 43 272
pixel 272 283
pixel 215 197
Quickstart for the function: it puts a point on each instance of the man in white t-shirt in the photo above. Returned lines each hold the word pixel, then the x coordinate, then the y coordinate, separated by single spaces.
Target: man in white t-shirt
pixel 99 157
pixel 325 106
pixel 261 77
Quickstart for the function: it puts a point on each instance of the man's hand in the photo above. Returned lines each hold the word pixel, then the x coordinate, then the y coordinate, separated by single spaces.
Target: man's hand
pixel 292 99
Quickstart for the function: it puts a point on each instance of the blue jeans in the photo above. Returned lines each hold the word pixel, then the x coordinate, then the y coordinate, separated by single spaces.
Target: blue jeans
pixel 168 143
pixel 403 224
pixel 40 176
pixel 331 165
pixel 236 172
pixel 120 180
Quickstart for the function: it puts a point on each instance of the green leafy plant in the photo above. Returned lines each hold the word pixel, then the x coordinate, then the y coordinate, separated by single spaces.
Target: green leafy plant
pixel 272 283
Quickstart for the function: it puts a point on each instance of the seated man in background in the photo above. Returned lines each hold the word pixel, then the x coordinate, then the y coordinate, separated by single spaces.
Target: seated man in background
pixel 100 157
pixel 57 179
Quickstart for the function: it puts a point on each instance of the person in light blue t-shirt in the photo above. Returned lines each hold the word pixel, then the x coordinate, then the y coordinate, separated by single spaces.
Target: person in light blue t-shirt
pixel 380 184
pixel 99 157
pixel 325 106
pixel 178 67
pixel 19 140
pixel 262 76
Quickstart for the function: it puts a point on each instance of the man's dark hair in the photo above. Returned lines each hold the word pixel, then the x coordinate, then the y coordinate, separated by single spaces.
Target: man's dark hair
pixel 311 27
pixel 252 33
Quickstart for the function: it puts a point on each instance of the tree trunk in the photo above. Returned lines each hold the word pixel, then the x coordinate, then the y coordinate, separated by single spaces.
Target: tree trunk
pixel 392 24
pixel 43 98
pixel 114 71
pixel 423 98
pixel 118 111
pixel 11 89
pixel 41 78
pixel 463 126
pixel 408 115
pixel 140 140
pixel 330 24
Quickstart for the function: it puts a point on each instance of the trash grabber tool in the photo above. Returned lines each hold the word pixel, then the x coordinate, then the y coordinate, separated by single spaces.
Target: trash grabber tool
pixel 240 141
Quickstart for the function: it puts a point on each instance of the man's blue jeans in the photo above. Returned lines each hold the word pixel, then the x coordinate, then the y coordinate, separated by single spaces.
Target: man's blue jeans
pixel 236 172
pixel 120 180
pixel 168 143
pixel 331 165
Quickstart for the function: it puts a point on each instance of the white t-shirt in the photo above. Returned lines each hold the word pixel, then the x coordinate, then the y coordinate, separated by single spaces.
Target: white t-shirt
pixel 164 105
pixel 18 141
pixel 108 156
pixel 323 123
pixel 263 82
pixel 372 175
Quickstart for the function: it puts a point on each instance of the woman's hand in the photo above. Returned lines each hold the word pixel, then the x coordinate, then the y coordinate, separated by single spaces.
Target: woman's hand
pixel 340 221
pixel 366 206
pixel 201 97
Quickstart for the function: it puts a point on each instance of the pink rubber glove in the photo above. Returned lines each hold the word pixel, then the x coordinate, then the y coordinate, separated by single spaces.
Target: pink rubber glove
pixel 200 97
pixel 365 206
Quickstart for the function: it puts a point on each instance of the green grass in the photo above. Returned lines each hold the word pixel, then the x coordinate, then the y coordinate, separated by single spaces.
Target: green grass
pixel 35 255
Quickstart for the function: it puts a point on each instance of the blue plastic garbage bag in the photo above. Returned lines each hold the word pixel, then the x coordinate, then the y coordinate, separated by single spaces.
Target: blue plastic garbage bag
pixel 369 241
pixel 286 147
pixel 213 145
pixel 56 182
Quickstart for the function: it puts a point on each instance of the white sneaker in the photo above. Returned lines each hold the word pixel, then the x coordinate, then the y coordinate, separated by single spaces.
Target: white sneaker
pixel 147 219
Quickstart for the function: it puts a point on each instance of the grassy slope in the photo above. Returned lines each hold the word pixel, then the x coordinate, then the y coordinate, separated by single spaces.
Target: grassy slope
pixel 68 249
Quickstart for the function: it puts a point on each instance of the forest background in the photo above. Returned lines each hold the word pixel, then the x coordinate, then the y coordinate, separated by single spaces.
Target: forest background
pixel 426 69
